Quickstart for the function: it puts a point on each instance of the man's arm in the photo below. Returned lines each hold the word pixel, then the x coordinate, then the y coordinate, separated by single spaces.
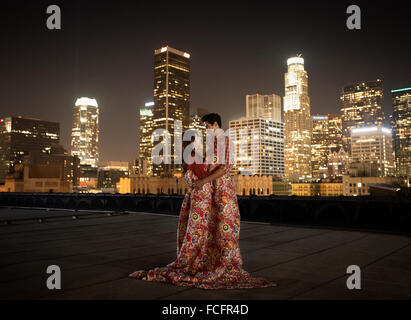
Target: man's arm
pixel 214 176
pixel 220 171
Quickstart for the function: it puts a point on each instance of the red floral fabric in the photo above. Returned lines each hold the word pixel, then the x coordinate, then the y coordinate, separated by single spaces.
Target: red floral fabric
pixel 199 169
pixel 208 253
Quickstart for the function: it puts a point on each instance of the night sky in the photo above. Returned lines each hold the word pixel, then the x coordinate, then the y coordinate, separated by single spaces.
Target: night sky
pixel 105 51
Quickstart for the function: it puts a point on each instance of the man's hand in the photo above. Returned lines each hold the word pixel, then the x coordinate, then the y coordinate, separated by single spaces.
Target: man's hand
pixel 199 183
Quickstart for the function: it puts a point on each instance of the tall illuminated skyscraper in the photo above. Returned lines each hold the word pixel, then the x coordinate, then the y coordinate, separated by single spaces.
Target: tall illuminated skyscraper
pixel 319 147
pixel 146 126
pixel 171 99
pixel 297 121
pixel 85 131
pixel 267 106
pixel 401 103
pixel 362 106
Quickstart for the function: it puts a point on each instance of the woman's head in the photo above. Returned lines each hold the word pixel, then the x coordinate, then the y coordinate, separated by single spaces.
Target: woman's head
pixel 211 121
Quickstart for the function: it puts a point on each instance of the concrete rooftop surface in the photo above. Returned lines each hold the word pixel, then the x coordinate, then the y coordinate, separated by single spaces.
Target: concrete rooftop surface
pixel 97 251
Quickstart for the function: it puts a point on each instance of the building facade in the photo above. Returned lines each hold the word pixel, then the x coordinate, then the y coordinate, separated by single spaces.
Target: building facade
pixel 85 131
pixel 335 141
pixel 401 130
pixel 319 147
pixel 19 136
pixel 362 106
pixel 326 140
pixel 314 189
pixel 57 156
pixel 253 185
pixel 88 177
pixel 359 186
pixel 297 121
pixel 338 162
pixel 109 174
pixel 172 103
pixel 139 184
pixel 372 147
pixel 281 188
pixel 36 178
pixel 267 106
pixel 146 127
pixel 259 146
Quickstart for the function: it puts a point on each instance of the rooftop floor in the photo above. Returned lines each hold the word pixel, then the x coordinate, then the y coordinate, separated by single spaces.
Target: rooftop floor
pixel 96 253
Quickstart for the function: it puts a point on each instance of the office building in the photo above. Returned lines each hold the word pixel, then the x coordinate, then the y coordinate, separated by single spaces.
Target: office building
pixel 334 133
pixel 401 130
pixel 319 147
pixel 19 136
pixel 146 127
pixel 362 106
pixel 88 177
pixel 297 121
pixel 109 174
pixel 338 163
pixel 171 103
pixel 371 150
pixel 85 131
pixel 259 146
pixel 360 186
pixel 57 156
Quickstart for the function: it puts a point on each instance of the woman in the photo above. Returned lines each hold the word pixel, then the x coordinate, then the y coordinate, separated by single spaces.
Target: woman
pixel 208 254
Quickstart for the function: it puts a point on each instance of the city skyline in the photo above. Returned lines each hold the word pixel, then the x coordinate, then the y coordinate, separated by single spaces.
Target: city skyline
pixel 54 69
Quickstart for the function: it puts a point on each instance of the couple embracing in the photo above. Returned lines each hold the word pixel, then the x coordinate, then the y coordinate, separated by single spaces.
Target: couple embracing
pixel 208 252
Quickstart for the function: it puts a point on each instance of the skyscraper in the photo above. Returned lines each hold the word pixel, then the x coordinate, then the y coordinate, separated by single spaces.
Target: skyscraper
pixel 362 106
pixel 259 146
pixel 319 147
pixel 19 136
pixel 334 133
pixel 146 125
pixel 297 121
pixel 171 99
pixel 326 140
pixel 401 103
pixel 85 131
pixel 371 151
pixel 267 106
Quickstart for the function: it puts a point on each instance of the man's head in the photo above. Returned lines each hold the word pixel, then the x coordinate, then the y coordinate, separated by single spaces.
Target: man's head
pixel 211 121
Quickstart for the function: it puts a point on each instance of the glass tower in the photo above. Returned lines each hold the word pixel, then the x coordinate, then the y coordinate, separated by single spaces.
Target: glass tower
pixel 371 148
pixel 297 121
pixel 401 102
pixel 319 147
pixel 361 107
pixel 146 125
pixel 85 131
pixel 171 100
pixel 259 146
